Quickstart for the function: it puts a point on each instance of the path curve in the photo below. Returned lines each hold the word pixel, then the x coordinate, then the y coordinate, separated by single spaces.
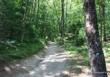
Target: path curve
pixel 55 63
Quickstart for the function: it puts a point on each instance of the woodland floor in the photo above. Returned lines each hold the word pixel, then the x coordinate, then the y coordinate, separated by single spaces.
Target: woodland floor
pixel 52 62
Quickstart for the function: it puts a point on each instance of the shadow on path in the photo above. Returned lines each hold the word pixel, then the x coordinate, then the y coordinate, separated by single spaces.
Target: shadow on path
pixel 55 63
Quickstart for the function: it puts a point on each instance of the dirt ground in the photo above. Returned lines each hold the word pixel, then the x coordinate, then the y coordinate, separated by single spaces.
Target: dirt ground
pixel 53 62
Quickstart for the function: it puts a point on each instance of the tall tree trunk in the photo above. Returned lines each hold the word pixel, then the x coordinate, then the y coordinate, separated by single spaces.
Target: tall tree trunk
pixel 97 60
pixel 104 22
pixel 102 19
pixel 62 21
pixel 24 7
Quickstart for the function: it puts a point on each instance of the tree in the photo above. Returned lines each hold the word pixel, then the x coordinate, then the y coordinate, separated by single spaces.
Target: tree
pixel 62 21
pixel 97 60
pixel 102 20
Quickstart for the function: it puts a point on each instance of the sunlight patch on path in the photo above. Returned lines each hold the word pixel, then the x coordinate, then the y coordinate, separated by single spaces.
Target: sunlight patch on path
pixel 55 63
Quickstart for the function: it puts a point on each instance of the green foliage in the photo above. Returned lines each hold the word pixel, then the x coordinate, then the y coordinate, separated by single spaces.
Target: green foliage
pixel 36 19
pixel 26 21
pixel 20 51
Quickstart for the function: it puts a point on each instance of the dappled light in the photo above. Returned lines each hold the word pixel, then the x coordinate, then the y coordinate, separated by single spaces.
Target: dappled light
pixel 56 63
pixel 54 38
pixel 7 69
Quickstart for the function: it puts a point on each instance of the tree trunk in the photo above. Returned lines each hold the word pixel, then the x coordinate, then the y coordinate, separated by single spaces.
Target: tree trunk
pixel 102 19
pixel 62 22
pixel 24 7
pixel 97 60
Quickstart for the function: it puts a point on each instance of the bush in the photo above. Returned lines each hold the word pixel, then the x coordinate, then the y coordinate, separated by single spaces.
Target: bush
pixel 21 51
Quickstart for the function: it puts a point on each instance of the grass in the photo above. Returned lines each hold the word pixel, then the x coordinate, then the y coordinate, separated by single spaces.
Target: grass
pixel 79 53
pixel 21 51
pixel 82 52
pixel 106 48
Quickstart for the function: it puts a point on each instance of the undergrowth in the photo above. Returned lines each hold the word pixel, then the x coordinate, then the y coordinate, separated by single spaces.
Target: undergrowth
pixel 19 50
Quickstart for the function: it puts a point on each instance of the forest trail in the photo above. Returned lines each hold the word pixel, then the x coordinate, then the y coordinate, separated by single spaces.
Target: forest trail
pixel 53 63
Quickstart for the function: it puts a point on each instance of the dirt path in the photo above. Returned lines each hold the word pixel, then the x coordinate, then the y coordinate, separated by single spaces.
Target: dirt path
pixel 51 62
pixel 55 63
